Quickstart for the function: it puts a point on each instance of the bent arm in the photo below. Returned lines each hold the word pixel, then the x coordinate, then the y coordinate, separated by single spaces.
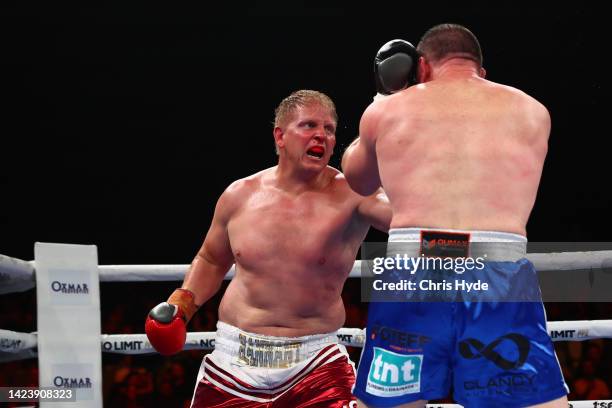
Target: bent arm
pixel 376 210
pixel 214 258
pixel 359 163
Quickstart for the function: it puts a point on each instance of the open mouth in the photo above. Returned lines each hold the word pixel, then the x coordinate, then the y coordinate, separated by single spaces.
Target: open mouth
pixel 316 151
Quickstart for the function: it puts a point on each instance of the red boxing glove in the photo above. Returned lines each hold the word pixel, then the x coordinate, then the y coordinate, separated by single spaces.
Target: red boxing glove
pixel 166 324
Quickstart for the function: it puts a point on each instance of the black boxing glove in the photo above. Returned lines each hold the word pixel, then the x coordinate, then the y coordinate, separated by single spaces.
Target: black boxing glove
pixel 395 67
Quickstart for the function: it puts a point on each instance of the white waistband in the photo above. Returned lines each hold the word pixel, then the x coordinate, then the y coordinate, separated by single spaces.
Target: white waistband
pixel 490 245
pixel 258 350
pixel 414 235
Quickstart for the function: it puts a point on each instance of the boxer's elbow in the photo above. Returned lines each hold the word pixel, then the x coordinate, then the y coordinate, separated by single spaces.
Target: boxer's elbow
pixel 204 277
pixel 362 184
pixel 208 263
pixel 360 178
pixel 360 169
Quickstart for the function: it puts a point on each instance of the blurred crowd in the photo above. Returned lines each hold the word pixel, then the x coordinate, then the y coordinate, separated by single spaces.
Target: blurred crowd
pixel 151 380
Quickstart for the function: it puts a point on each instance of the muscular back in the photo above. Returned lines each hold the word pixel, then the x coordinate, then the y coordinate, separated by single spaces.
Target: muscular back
pixel 462 153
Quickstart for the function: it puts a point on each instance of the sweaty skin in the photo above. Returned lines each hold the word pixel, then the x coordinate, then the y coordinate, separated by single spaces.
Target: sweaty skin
pixel 454 152
pixel 290 282
pixel 293 232
pixel 457 151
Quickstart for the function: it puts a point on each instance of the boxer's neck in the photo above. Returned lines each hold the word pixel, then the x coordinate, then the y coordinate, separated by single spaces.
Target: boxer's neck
pixel 296 180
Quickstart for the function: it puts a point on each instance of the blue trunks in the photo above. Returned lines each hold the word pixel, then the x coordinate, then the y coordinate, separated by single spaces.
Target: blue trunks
pixel 490 354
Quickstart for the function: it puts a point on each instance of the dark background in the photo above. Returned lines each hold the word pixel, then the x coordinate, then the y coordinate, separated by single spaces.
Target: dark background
pixel 122 124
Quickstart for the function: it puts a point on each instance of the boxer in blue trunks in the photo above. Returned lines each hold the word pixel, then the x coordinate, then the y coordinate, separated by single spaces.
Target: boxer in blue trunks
pixel 460 158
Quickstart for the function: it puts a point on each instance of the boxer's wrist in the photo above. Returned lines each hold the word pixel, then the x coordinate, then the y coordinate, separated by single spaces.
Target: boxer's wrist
pixel 184 299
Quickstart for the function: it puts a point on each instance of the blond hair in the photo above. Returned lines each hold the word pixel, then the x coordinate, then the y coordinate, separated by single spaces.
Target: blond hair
pixel 302 98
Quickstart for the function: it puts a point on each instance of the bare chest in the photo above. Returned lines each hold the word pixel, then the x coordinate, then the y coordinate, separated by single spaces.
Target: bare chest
pixel 308 229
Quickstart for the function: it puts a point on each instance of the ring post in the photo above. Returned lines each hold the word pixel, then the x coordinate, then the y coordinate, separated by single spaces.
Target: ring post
pixel 68 306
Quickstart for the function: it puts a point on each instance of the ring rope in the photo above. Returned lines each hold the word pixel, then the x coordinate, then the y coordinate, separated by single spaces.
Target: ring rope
pixel 15 342
pixel 17 275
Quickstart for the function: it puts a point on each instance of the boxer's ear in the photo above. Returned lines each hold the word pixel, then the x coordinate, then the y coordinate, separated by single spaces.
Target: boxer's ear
pixel 424 70
pixel 279 137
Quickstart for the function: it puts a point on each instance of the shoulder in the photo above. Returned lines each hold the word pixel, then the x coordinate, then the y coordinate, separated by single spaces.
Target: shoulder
pixel 342 187
pixel 239 187
pixel 338 181
pixel 523 101
pixel 236 193
pixel 527 112
pixel 383 105
pixel 373 116
pixel 336 177
pixel 246 184
pixel 376 109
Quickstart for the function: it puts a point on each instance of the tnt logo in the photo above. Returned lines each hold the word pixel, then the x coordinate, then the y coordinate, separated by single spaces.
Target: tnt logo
pixel 392 374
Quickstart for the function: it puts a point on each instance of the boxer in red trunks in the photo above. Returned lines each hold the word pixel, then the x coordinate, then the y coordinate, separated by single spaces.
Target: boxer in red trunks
pixel 293 232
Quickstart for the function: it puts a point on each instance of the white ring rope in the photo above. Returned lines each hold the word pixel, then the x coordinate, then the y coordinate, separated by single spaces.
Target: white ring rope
pixel 17 275
pixel 15 342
